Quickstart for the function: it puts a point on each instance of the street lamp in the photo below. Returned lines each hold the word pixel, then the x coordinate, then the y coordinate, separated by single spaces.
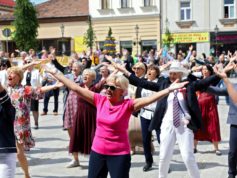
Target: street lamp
pixel 62 27
pixel 216 29
pixel 137 31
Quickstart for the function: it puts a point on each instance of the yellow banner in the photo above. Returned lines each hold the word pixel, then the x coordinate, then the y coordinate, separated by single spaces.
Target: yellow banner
pixel 63 60
pixel 78 44
pixel 189 37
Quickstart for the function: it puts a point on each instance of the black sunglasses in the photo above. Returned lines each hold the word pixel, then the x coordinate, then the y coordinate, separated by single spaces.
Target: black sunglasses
pixel 111 87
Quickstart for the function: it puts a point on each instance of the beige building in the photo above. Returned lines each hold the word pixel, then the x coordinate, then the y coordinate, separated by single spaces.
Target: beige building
pixel 135 24
pixel 62 24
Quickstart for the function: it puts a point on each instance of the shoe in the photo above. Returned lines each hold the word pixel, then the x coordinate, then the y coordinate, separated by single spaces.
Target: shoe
pixel 55 113
pixel 195 150
pixel 43 113
pixel 147 167
pixel 231 176
pixel 218 153
pixel 36 127
pixel 73 163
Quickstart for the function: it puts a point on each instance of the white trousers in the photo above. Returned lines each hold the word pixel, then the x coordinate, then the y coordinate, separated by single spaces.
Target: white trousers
pixel 184 137
pixel 7 165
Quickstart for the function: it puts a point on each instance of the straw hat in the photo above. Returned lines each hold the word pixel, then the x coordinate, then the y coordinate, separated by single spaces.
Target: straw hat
pixel 176 66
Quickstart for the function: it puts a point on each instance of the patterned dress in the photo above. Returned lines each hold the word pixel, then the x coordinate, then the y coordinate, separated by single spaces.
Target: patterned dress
pixel 71 105
pixel 21 97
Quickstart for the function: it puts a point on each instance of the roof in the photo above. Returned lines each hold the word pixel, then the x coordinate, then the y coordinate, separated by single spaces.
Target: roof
pixel 8 3
pixel 56 9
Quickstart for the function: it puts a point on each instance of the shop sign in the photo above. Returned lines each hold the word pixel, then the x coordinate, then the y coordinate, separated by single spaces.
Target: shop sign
pixel 126 44
pixel 79 46
pixel 189 37
pixel 149 43
pixel 226 37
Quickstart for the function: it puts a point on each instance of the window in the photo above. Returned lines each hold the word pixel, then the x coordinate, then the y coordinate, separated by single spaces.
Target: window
pixel 148 3
pixel 124 3
pixel 185 10
pixel 229 9
pixel 104 4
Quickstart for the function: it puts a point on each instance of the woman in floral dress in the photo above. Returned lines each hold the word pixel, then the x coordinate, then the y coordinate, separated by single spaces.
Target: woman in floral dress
pixel 20 98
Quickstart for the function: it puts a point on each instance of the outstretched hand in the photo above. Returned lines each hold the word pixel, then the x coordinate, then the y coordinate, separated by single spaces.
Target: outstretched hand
pixel 59 84
pixel 52 71
pixel 176 85
pixel 219 72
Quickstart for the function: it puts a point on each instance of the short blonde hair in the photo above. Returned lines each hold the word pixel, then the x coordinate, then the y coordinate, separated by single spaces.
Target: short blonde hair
pixel 140 65
pixel 16 70
pixel 119 79
pixel 90 72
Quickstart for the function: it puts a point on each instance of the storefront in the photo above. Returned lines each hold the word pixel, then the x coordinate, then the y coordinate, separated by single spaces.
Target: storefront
pixel 182 41
pixel 223 41
pixel 148 45
pixel 126 45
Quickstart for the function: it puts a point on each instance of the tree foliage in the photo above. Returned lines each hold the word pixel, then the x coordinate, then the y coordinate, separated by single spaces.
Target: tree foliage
pixel 89 36
pixel 168 40
pixel 26 24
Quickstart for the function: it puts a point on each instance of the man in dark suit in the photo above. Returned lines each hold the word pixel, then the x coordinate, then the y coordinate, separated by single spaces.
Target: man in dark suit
pixel 187 111
pixel 231 91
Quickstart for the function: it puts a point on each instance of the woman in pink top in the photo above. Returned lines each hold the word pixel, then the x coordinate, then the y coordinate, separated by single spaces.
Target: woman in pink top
pixel 110 148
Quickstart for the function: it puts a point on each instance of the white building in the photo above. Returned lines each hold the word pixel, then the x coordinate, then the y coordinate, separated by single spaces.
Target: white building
pixel 206 24
pixel 135 23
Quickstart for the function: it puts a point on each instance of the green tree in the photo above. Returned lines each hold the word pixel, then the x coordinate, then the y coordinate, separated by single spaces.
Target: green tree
pixel 168 39
pixel 89 36
pixel 26 24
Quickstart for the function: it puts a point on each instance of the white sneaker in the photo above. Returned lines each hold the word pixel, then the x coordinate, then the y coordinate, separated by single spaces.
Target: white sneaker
pixel 73 163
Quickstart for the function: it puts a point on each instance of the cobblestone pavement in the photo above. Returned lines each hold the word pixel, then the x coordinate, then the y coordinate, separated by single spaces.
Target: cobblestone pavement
pixel 50 156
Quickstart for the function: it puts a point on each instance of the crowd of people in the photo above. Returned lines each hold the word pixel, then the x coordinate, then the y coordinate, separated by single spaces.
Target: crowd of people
pixel 113 102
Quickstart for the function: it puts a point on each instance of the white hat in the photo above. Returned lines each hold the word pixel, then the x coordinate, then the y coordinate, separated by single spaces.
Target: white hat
pixel 176 66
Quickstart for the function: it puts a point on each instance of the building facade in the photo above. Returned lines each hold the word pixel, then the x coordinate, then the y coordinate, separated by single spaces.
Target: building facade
pixel 6 6
pixel 135 23
pixel 209 25
pixel 62 24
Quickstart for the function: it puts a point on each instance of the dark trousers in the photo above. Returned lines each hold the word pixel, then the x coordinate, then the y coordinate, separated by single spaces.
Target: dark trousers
pixel 232 155
pixel 47 96
pixel 146 139
pixel 118 166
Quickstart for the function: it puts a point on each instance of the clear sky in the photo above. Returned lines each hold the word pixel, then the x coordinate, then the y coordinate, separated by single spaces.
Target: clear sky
pixel 38 1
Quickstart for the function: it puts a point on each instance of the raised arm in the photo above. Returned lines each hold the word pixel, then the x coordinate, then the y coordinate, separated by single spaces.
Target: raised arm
pixel 58 65
pixel 203 84
pixel 230 88
pixel 142 102
pixel 84 93
pixel 137 81
pixel 217 91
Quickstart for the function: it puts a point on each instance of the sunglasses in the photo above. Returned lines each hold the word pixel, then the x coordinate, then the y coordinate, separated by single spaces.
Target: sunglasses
pixel 136 68
pixel 111 87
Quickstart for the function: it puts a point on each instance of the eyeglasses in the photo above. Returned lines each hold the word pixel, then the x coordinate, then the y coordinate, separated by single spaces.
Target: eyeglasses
pixel 111 87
